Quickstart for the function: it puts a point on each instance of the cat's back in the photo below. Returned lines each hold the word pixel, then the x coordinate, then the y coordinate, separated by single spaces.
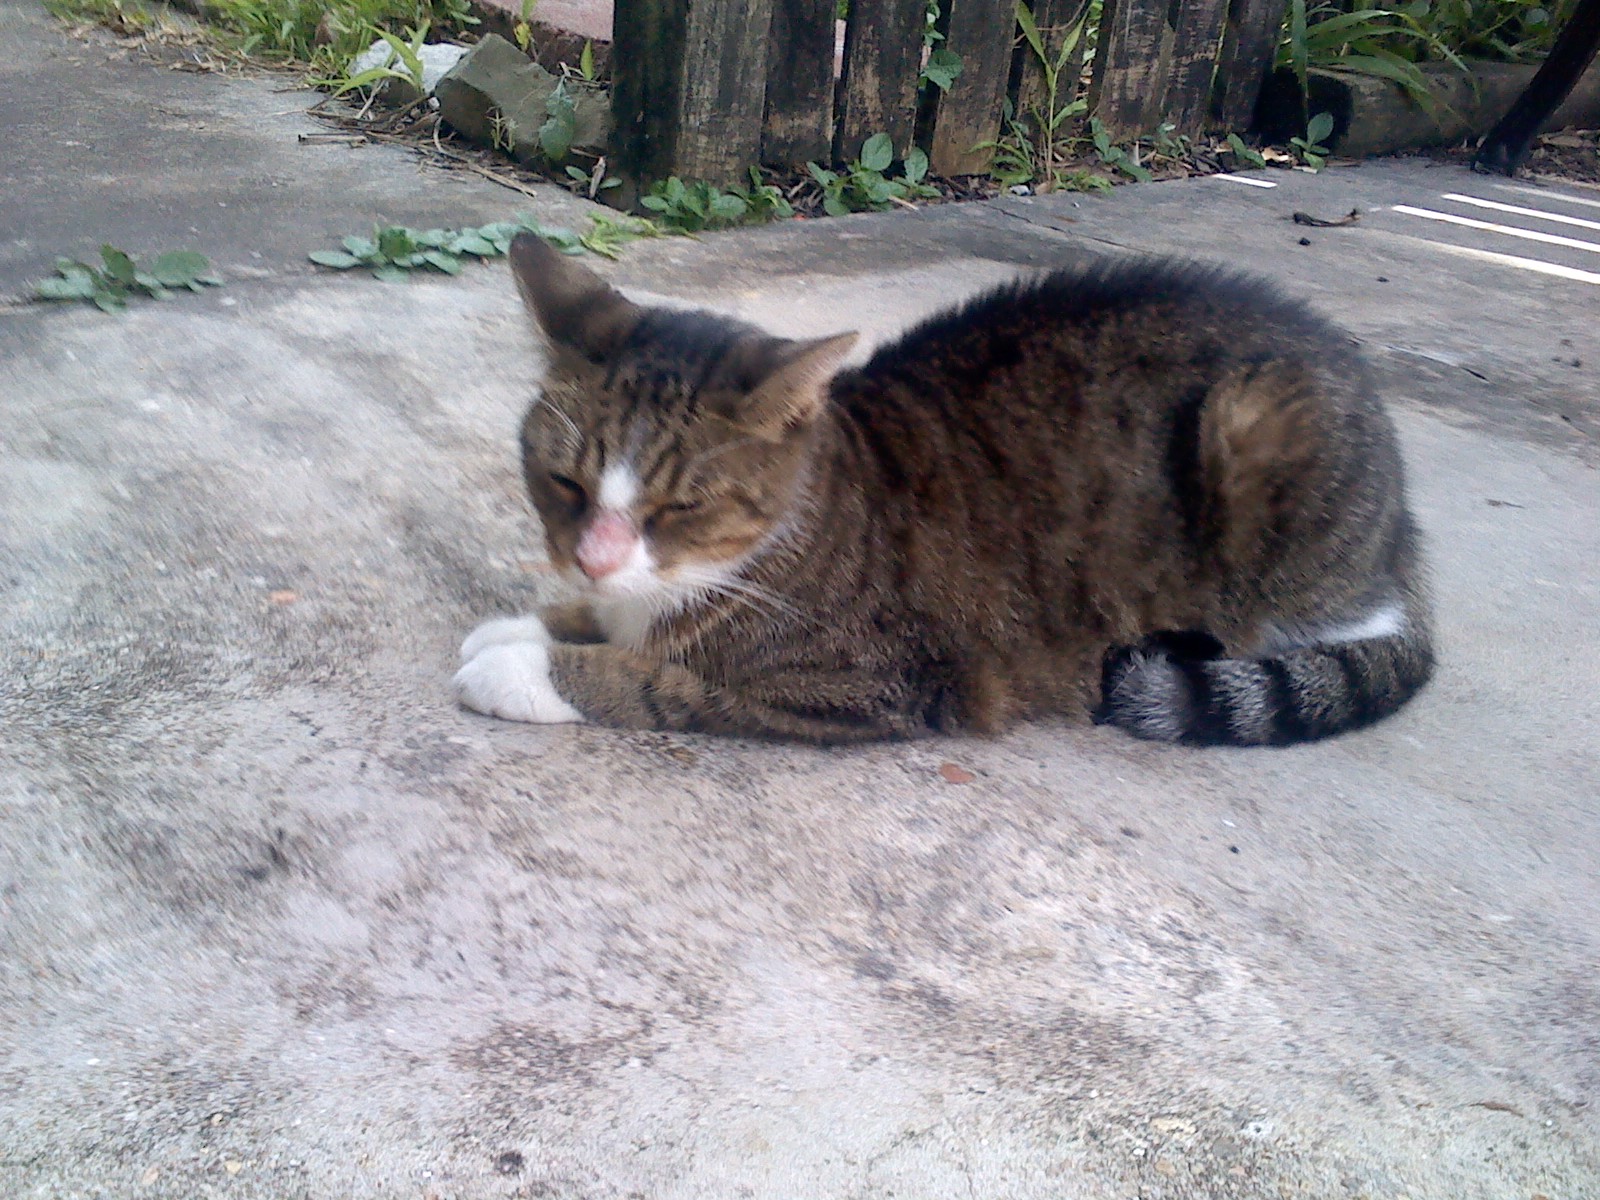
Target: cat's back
pixel 1149 325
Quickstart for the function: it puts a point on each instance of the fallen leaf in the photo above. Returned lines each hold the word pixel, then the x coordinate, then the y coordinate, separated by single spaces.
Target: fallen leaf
pixel 233 1166
pixel 955 774
pixel 150 1176
pixel 283 596
pixel 1305 218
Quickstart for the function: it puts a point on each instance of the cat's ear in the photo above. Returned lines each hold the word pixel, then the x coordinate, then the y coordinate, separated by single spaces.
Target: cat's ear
pixel 577 309
pixel 793 392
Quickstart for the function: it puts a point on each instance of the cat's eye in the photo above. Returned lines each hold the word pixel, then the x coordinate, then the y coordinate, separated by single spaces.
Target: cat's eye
pixel 569 490
pixel 682 508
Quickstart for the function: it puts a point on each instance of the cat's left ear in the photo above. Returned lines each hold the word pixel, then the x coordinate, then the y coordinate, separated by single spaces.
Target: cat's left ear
pixel 575 307
pixel 793 393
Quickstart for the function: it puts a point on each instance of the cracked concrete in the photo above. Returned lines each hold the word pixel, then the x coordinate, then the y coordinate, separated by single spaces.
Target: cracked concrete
pixel 277 920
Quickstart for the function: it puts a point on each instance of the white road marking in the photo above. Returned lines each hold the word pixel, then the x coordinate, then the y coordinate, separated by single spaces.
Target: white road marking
pixel 1547 194
pixel 1518 210
pixel 1531 235
pixel 1525 264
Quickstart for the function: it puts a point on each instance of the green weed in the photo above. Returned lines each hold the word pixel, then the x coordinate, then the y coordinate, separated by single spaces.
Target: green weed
pixel 1309 149
pixel 394 250
pixel 697 206
pixel 863 186
pixel 1243 154
pixel 608 234
pixel 1115 156
pixel 1029 151
pixel 109 285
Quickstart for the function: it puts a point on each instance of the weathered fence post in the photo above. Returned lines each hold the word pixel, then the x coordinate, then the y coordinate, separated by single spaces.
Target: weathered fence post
pixel 799 120
pixel 1130 66
pixel 1055 20
pixel 1249 42
pixel 981 32
pixel 878 89
pixel 1196 40
pixel 688 88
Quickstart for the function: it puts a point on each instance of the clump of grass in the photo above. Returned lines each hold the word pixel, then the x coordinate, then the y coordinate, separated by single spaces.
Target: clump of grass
pixel 324 36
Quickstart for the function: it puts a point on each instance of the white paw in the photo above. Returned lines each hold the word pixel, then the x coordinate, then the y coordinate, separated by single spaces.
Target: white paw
pixel 511 680
pixel 503 632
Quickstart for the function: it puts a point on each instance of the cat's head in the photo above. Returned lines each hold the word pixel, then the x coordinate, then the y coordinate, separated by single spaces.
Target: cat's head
pixel 667 446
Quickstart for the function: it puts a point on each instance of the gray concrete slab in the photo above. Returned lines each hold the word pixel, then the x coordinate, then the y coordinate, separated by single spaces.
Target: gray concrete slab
pixel 277 920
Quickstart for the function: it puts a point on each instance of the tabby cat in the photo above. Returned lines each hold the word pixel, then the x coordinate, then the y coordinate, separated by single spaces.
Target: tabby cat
pixel 1153 492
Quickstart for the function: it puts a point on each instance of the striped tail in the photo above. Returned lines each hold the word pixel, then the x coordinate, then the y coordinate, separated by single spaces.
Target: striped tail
pixel 1178 687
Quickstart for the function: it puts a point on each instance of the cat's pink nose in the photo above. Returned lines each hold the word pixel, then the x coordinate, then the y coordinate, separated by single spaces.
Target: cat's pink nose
pixel 607 545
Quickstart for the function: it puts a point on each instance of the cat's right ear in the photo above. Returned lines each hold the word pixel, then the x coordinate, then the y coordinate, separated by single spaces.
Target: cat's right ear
pixel 577 310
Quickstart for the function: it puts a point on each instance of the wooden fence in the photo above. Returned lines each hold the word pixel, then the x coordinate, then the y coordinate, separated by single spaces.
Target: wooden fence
pixel 702 89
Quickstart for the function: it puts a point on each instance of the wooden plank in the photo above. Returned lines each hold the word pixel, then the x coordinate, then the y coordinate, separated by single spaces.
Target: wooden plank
pixel 1197 40
pixel 1130 66
pixel 799 120
pixel 878 89
pixel 688 88
pixel 1249 42
pixel 1056 19
pixel 982 33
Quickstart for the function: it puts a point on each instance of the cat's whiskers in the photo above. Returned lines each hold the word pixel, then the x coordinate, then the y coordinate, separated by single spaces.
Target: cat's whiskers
pixel 574 434
pixel 713 581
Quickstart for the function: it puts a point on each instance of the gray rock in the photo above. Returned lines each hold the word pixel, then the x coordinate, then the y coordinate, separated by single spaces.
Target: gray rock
pixel 437 59
pixel 497 96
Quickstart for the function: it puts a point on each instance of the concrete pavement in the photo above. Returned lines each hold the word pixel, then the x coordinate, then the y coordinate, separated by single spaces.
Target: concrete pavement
pixel 277 920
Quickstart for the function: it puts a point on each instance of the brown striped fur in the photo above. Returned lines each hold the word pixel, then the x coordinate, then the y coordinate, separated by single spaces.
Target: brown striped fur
pixel 1148 491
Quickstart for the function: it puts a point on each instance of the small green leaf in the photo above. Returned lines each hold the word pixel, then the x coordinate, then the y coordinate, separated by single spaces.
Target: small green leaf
pixel 433 237
pixel 727 207
pixel 1320 127
pixel 944 66
pixel 563 240
pixel 586 60
pixel 388 274
pixel 916 165
pixel 448 263
pixel 1245 153
pixel 209 280
pixel 118 265
pixel 877 152
pixel 109 302
pixel 395 242
pixel 177 267
pixel 337 259
pixel 359 246
pixel 64 289
pixel 469 242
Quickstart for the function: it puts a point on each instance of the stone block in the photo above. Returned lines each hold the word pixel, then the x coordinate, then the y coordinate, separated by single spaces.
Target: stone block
pixel 496 95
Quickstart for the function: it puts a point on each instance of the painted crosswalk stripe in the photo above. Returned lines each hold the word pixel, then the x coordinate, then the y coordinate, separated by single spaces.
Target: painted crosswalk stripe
pixel 1532 235
pixel 1518 210
pixel 1525 264
pixel 1547 194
